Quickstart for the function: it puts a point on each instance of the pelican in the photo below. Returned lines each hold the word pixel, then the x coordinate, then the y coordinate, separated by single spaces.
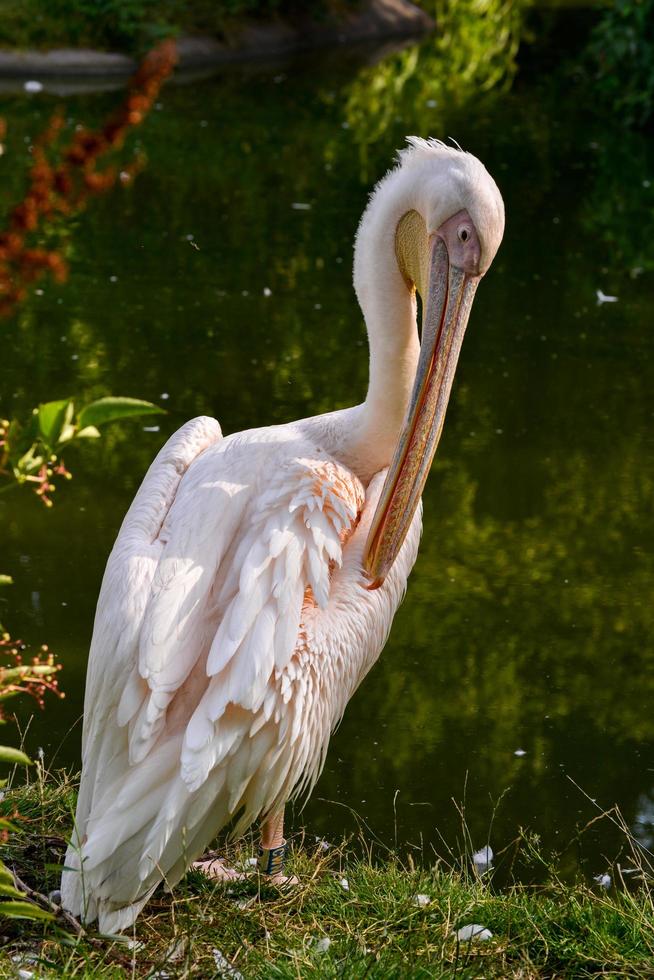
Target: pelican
pixel 255 577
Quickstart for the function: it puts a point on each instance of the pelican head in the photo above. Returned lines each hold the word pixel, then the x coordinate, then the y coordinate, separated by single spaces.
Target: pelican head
pixel 446 219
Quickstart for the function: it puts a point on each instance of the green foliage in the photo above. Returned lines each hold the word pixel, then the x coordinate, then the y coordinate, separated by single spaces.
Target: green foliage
pixel 621 54
pixel 111 409
pixel 471 56
pixel 134 25
pixel 114 24
pixel 31 453
pixel 11 755
pixel 12 901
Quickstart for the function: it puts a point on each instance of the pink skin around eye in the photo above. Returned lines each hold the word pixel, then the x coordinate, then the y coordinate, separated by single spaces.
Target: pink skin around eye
pixel 462 241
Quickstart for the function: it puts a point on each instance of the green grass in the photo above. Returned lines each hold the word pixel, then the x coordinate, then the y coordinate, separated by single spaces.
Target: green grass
pixel 374 928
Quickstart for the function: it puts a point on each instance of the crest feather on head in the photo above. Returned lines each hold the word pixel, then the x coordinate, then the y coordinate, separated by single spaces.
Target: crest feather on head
pixel 419 149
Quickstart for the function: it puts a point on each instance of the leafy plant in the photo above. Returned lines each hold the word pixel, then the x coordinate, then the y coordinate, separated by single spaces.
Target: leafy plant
pixel 132 25
pixel 621 53
pixel 64 175
pixel 16 678
pixel 30 453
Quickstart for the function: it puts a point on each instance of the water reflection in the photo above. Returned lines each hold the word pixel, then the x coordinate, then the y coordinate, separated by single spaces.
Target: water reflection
pixel 529 619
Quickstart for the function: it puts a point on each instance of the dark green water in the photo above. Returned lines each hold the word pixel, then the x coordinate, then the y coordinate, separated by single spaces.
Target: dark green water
pixel 529 620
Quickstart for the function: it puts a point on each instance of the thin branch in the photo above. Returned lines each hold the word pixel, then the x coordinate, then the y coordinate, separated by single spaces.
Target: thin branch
pixel 58 910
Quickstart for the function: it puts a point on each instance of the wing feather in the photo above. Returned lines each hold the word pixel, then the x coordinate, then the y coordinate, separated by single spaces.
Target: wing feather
pixel 204 696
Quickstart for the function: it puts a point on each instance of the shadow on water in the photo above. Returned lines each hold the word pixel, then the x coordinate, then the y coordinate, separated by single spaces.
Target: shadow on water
pixel 529 619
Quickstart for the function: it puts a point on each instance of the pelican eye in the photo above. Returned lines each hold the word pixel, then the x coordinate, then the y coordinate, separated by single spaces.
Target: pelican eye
pixel 464 234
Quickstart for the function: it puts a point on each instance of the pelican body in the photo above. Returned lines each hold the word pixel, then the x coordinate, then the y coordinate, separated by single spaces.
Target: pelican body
pixel 255 577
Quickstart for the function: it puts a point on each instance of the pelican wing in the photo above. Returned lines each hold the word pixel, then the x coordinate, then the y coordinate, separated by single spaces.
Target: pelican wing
pixel 124 597
pixel 193 657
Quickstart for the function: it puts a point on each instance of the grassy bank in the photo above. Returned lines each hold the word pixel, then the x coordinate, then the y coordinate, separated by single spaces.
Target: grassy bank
pixel 349 917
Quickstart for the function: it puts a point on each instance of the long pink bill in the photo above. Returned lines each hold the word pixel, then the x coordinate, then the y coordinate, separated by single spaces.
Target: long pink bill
pixel 449 299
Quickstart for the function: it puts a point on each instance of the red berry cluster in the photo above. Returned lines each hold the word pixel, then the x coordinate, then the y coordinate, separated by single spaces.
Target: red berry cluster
pixel 63 178
pixel 42 478
pixel 34 678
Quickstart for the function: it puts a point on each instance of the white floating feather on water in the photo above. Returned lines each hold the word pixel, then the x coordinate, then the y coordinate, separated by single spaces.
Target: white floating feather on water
pixel 520 753
pixel 603 298
pixel 33 86
pixel 603 880
pixel 473 931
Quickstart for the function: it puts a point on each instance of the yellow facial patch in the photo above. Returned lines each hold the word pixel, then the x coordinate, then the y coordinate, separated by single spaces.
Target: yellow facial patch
pixel 412 251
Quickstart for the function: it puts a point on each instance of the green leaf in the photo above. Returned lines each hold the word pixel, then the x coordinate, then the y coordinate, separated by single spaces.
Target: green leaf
pixel 8 754
pixel 28 463
pixel 21 436
pixel 8 891
pixel 53 416
pixel 6 580
pixel 88 432
pixel 24 910
pixel 67 433
pixel 5 874
pixel 109 409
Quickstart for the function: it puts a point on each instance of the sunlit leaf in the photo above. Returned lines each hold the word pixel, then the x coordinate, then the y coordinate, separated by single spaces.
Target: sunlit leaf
pixel 8 891
pixel 6 580
pixel 67 433
pixel 24 910
pixel 88 432
pixel 53 416
pixel 109 409
pixel 29 461
pixel 9 754
pixel 5 873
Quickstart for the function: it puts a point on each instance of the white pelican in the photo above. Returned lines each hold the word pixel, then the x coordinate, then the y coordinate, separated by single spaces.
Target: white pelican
pixel 255 577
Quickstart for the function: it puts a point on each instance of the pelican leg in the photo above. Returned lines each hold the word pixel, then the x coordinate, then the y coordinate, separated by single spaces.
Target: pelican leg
pixel 272 851
pixel 216 868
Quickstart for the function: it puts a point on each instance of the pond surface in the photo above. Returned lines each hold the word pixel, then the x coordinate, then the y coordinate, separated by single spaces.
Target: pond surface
pixel 523 656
